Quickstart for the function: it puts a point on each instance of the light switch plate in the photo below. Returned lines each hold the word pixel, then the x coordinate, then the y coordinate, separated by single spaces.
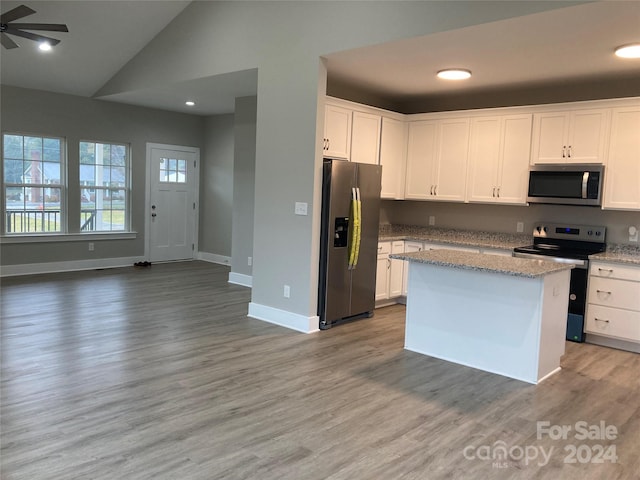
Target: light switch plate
pixel 301 208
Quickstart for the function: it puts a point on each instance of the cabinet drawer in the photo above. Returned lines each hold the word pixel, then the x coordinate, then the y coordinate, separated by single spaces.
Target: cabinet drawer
pixel 610 270
pixel 614 293
pixel 613 322
pixel 384 248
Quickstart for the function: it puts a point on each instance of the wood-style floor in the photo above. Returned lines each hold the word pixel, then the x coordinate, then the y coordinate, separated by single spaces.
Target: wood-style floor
pixel 157 373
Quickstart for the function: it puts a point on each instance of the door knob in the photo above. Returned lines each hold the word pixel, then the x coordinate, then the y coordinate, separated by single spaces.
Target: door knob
pixel 153 214
pixel 153 207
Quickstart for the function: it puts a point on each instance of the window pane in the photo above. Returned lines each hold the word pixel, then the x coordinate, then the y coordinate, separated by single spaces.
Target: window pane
pixel 51 149
pixel 164 176
pixel 118 176
pixel 105 159
pixel 51 173
pixel 13 171
pixel 173 164
pixel 118 155
pixel 87 175
pixel 13 146
pixel 87 153
pixel 33 148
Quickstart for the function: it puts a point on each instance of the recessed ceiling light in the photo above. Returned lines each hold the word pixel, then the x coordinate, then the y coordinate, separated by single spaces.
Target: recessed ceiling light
pixel 454 74
pixel 629 51
pixel 191 103
pixel 44 46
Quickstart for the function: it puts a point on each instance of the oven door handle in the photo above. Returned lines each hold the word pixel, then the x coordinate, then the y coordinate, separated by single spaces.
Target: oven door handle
pixel 572 261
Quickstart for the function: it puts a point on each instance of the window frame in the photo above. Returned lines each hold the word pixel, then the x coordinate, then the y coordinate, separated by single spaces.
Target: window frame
pixel 63 185
pixel 127 187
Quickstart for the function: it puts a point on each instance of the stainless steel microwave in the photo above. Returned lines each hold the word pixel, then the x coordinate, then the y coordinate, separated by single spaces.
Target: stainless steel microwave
pixel 564 184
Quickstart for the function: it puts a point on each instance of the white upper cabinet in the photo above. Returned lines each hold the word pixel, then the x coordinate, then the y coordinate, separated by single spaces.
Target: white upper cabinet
pixel 577 136
pixel 337 132
pixel 622 173
pixel 393 150
pixel 499 159
pixel 365 138
pixel 421 159
pixel 437 156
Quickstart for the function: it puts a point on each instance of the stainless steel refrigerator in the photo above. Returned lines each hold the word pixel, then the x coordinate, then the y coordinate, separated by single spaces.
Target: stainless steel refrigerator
pixel 349 241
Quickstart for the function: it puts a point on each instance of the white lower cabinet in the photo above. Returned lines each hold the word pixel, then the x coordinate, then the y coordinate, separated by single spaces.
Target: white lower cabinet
pixel 382 271
pixel 396 270
pixel 389 272
pixel 613 308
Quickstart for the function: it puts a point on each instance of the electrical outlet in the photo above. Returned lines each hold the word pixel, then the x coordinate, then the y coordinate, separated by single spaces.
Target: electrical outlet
pixel 287 291
pixel 633 233
pixel 432 220
pixel 249 261
pixel 91 246
pixel 520 227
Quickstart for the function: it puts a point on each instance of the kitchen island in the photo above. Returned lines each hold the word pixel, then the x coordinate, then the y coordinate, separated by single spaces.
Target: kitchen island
pixel 503 315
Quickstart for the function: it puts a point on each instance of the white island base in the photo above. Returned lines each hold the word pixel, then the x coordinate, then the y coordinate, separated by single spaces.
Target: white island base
pixel 501 323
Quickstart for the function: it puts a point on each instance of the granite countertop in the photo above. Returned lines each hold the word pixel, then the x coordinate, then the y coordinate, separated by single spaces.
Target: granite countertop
pixel 467 238
pixel 619 254
pixel 518 267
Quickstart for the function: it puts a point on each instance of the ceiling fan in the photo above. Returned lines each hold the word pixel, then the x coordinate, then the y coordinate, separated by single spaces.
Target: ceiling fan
pixel 18 29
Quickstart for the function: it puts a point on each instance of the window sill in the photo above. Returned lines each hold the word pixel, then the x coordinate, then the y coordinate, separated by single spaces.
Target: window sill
pixel 67 237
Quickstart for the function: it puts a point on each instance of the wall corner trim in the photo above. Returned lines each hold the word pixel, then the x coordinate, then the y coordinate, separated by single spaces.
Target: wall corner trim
pixel 240 279
pixel 283 318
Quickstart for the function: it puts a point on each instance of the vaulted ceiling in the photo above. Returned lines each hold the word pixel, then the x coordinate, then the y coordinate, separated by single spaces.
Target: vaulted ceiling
pixel 561 45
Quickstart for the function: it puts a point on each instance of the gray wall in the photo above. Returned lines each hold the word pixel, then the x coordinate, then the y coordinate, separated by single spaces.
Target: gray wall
pixel 244 168
pixel 285 40
pixel 78 118
pixel 216 185
pixel 503 218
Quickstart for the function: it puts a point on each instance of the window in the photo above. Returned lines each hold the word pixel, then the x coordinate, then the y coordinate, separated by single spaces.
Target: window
pixel 33 184
pixel 173 171
pixel 104 187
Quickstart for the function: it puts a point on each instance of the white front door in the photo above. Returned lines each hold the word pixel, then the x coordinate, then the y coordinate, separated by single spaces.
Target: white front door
pixel 171 203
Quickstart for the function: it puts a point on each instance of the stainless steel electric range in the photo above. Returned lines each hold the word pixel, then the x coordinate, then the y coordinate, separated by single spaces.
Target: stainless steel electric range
pixel 568 243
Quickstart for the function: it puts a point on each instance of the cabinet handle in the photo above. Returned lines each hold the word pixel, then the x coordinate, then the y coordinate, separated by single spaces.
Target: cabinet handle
pixel 435 189
pixel 569 155
pixel 494 192
pixel 431 190
pixel 388 263
pixel 610 270
pixel 603 291
pixel 564 151
pixel 601 320
pixel 498 192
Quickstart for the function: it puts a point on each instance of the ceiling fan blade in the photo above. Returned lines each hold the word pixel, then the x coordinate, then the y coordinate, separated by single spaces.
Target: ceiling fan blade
pixel 51 27
pixel 16 13
pixel 32 36
pixel 7 42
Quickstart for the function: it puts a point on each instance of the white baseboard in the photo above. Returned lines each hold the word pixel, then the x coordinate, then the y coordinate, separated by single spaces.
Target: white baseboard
pixel 213 258
pixel 283 318
pixel 240 279
pixel 70 266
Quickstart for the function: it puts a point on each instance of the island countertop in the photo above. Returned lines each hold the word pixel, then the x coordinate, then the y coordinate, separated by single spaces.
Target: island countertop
pixel 518 267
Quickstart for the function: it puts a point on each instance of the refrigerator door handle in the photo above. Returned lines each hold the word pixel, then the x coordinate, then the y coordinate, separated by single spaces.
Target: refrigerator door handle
pixel 359 227
pixel 356 230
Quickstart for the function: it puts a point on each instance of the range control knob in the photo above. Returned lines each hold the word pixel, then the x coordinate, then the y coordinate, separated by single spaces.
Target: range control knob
pixel 590 232
pixel 598 233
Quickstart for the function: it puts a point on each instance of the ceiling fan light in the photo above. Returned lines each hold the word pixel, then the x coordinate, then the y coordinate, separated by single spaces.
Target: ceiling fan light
pixel 454 74
pixel 45 46
pixel 628 51
pixel 190 103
